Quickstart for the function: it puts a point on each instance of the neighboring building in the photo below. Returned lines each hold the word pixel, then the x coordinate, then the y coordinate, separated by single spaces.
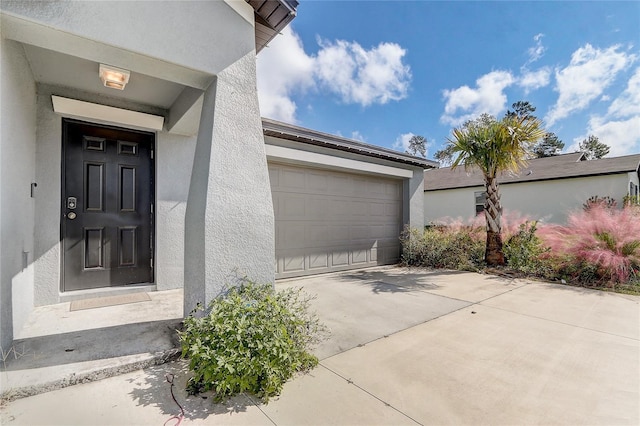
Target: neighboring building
pixel 169 183
pixel 546 188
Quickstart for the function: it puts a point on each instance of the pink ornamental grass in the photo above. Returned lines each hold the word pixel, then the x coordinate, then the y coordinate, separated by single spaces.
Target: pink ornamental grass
pixel 476 225
pixel 604 237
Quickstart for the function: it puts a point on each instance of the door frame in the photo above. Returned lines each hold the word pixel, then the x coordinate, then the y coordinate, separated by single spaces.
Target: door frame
pixel 63 199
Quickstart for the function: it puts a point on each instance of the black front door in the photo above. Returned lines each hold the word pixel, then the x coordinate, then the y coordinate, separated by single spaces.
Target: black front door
pixel 107 206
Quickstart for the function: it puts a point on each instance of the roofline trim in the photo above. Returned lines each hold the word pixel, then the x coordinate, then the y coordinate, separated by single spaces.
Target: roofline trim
pixel 619 172
pixel 312 137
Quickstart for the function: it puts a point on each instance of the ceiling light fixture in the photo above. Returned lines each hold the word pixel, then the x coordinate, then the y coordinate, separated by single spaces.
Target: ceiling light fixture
pixel 113 77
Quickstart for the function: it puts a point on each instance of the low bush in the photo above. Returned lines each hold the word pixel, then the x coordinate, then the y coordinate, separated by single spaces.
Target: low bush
pixel 252 340
pixel 599 246
pixel 459 248
pixel 524 252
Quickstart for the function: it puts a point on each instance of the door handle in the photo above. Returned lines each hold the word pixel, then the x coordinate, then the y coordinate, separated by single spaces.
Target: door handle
pixel 71 215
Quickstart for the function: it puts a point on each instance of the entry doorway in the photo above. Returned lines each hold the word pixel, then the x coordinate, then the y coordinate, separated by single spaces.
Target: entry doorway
pixel 107 206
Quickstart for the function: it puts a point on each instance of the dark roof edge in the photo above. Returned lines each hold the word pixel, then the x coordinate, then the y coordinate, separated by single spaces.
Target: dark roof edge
pixel 300 134
pixel 618 172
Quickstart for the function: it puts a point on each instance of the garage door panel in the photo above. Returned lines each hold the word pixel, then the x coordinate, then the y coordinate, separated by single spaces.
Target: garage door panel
pixel 292 262
pixel 317 235
pixel 373 255
pixel 394 191
pixel 318 260
pixel 274 177
pixel 377 209
pixel 332 221
pixel 339 257
pixel 292 208
pixel 338 233
pixel 392 210
pixel 292 179
pixel 359 208
pixel 339 208
pixel 360 232
pixel 390 231
pixel 317 182
pixel 291 235
pixel 317 208
pixel 375 189
pixel 340 185
pixel 359 256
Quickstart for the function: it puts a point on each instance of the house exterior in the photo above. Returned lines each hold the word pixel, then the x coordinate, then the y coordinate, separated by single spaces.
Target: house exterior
pixel 174 181
pixel 545 189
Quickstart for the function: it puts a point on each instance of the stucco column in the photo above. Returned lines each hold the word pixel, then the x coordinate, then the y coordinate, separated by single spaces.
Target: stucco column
pixel 414 200
pixel 229 229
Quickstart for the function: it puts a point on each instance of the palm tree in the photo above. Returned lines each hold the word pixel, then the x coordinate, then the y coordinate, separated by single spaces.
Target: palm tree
pixel 494 147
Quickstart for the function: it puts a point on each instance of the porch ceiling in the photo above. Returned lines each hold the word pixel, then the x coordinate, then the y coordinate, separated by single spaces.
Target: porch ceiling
pixel 60 69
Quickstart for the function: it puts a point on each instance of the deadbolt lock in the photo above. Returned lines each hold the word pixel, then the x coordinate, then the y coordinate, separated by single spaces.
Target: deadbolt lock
pixel 72 203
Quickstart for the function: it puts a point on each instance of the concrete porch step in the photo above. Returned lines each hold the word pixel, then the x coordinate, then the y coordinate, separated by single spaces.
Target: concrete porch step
pixel 59 347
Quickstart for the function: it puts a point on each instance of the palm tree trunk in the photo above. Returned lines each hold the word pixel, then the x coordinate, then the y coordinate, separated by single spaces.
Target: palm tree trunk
pixel 493 214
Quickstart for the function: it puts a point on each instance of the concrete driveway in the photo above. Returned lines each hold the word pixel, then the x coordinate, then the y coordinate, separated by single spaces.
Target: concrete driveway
pixel 412 347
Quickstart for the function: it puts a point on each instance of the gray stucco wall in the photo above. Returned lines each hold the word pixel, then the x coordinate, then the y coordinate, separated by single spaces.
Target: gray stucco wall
pixel 17 169
pixel 230 222
pixel 174 160
pixel 176 32
pixel 414 200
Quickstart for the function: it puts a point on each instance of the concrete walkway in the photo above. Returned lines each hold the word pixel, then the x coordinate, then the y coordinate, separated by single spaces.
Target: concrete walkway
pixel 410 347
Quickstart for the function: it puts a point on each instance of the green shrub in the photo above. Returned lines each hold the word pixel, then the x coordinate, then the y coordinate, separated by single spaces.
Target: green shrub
pixel 443 247
pixel 631 200
pixel 524 251
pixel 252 340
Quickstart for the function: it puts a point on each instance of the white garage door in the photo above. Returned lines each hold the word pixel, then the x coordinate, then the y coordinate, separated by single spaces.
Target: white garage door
pixel 331 221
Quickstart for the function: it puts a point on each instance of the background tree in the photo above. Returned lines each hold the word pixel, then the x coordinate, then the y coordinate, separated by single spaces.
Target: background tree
pixel 593 148
pixel 417 146
pixel 495 146
pixel 444 156
pixel 549 146
pixel 521 109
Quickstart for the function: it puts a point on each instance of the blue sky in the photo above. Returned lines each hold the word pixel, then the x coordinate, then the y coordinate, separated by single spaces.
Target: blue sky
pixel 382 71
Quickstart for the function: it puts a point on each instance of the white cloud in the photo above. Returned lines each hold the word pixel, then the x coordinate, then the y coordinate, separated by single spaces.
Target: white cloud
pixel 465 103
pixel 589 73
pixel 363 76
pixel 346 69
pixel 536 52
pixel 623 136
pixel 628 103
pixel 620 126
pixel 283 68
pixel 532 80
pixel 402 142
pixel 356 135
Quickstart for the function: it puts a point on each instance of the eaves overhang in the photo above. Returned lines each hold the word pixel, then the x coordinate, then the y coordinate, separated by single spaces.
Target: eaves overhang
pixel 271 16
pixel 299 134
